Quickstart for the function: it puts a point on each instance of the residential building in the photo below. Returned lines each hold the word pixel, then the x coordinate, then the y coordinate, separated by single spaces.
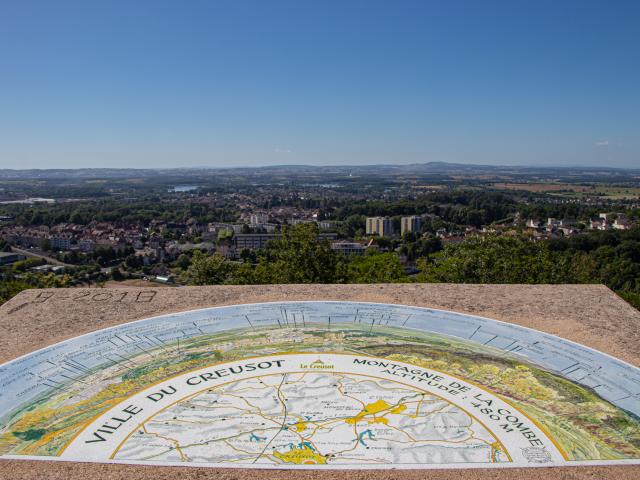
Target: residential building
pixel 567 222
pixel 325 225
pixel 380 226
pixel 300 221
pixel 253 241
pixel 348 248
pixel 155 241
pixel 258 218
pixel 87 245
pixel 533 223
pixel 410 225
pixel 621 223
pixel 61 241
pixel 7 258
pixel 568 231
pixel 256 241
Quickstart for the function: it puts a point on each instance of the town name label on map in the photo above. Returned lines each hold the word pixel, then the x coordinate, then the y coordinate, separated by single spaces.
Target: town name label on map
pixel 483 404
pixel 129 412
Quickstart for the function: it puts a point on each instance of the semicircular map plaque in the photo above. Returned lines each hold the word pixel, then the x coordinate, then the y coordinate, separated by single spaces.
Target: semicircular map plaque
pixel 321 385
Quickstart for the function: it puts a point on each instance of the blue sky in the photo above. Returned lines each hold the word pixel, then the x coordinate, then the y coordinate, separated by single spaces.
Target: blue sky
pixel 224 83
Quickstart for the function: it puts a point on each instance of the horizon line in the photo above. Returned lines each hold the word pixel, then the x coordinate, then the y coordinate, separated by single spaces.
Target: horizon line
pixel 303 165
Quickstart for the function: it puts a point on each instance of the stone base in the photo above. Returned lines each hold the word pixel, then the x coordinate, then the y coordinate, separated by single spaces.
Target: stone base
pixel 591 315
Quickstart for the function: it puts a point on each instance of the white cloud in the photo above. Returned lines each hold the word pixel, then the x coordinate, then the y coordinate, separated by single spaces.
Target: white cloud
pixel 603 143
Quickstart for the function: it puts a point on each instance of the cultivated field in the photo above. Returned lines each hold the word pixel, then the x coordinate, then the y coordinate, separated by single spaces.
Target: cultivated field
pixel 574 190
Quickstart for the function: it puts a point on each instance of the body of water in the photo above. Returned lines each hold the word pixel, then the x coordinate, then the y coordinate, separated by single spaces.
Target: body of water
pixel 184 188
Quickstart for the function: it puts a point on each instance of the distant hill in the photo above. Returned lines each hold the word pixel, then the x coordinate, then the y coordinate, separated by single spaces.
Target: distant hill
pixel 441 168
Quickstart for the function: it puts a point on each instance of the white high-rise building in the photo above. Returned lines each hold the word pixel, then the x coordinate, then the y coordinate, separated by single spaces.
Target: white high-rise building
pixel 410 224
pixel 258 218
pixel 380 226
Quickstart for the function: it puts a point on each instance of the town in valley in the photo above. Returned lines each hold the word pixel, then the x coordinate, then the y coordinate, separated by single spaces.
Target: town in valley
pixel 300 224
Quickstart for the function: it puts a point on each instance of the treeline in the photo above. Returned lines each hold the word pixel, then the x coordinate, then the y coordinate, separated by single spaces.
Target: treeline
pixel 17 278
pixel 118 212
pixel 458 207
pixel 295 257
pixel 454 208
pixel 611 258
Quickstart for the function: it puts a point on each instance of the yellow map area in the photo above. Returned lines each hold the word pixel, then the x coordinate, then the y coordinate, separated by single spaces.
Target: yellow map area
pixel 301 456
pixel 372 411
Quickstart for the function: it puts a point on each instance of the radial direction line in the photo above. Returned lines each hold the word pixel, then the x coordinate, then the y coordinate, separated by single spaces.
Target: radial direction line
pixel 474 332
pixel 199 329
pixel 491 339
pixel 121 339
pixel 73 379
pixel 570 366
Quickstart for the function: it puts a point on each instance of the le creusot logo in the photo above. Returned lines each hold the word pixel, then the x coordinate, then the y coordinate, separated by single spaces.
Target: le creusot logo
pixel 317 365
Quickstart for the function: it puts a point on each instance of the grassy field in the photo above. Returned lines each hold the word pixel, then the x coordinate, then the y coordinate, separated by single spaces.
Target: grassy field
pixel 574 190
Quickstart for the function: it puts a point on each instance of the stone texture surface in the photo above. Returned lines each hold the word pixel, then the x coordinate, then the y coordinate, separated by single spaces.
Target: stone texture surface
pixel 588 314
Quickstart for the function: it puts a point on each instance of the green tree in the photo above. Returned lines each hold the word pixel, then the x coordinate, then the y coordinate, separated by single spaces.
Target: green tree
pixel 117 275
pixel 225 237
pixel 104 255
pixel 353 226
pixel 493 259
pixel 183 261
pixel 297 257
pixel 133 262
pixel 248 255
pixel 243 274
pixel 26 264
pixel 45 245
pixel 207 269
pixel 376 268
pixel 10 288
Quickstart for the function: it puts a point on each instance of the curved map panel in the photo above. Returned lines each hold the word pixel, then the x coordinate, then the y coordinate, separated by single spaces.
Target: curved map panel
pixel 321 385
